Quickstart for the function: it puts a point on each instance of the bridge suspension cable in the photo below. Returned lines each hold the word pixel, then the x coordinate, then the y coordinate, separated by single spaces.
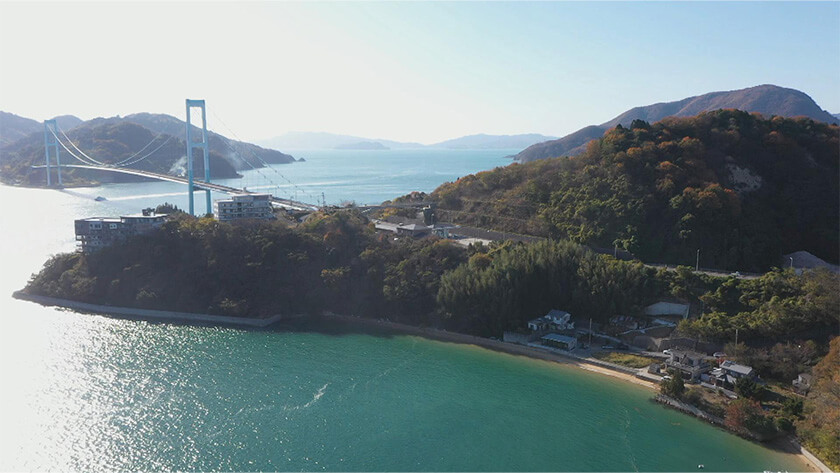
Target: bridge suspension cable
pixel 129 161
pixel 125 162
pixel 70 151
pixel 265 164
pixel 77 148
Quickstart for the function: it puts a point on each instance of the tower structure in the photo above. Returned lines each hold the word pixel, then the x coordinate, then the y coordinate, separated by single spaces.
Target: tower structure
pixel 191 145
pixel 51 142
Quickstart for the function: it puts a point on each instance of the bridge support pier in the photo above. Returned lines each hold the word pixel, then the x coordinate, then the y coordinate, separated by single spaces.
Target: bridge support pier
pixel 204 145
pixel 51 141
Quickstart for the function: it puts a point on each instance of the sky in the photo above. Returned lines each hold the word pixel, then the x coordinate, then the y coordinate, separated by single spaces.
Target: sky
pixel 406 71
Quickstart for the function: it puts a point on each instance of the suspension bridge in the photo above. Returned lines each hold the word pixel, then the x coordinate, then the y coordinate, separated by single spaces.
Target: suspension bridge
pixel 52 142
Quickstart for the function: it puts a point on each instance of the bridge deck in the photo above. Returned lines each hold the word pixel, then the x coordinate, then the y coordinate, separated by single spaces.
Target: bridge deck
pixel 285 203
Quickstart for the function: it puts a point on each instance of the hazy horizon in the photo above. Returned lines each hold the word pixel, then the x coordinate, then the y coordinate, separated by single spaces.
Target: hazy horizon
pixel 409 72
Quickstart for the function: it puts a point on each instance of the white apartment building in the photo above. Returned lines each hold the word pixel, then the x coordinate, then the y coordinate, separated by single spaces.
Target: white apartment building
pixel 243 206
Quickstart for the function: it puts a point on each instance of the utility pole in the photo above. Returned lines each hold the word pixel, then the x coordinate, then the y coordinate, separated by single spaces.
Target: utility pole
pixel 697 266
pixel 791 262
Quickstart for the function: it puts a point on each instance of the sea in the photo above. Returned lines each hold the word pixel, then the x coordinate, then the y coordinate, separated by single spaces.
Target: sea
pixel 84 392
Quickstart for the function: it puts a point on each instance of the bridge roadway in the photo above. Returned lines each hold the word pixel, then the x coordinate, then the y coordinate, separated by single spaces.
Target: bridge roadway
pixel 276 201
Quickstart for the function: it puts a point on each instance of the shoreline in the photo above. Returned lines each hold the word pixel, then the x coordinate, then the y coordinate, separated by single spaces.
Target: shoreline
pixel 786 444
pixel 150 315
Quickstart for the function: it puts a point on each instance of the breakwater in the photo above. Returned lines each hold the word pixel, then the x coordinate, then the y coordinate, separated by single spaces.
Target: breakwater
pixel 149 314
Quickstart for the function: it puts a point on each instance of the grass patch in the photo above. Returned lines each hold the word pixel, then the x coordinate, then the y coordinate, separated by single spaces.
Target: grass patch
pixel 624 359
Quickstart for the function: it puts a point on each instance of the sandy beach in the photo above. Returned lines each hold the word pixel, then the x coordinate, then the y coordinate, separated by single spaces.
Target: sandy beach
pixel 785 444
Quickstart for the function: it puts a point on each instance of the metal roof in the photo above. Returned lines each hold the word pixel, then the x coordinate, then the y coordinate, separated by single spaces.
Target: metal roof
pixel 556 337
pixel 735 367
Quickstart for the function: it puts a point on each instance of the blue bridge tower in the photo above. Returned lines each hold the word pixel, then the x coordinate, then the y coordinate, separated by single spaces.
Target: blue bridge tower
pixel 51 141
pixel 204 145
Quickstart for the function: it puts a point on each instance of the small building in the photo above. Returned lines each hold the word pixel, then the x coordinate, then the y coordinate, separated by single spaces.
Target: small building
pixel 625 322
pixel 559 341
pixel 730 372
pixel 413 228
pixel 802 383
pixel 690 364
pixel 93 233
pixel 730 368
pixel 555 319
pixel 243 206
pixel 667 308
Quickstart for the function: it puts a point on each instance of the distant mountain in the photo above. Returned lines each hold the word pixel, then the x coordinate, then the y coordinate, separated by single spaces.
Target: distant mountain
pixel 483 141
pixel 113 139
pixel 364 145
pixel 767 100
pixel 836 115
pixel 296 140
pixel 241 155
pixel 68 122
pixel 14 127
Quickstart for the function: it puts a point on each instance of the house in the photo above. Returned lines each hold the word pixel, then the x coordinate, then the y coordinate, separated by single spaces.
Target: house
pixel 624 322
pixel 559 341
pixel 554 320
pixel 729 373
pixel 667 308
pixel 94 233
pixel 802 383
pixel 688 363
pixel 413 228
pixel 243 206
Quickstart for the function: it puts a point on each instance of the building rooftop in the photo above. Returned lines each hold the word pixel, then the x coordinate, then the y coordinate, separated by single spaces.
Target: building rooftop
pixel 101 219
pixel 735 367
pixel 555 337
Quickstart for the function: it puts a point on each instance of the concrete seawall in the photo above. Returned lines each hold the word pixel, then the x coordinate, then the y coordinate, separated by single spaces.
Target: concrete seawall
pixel 147 314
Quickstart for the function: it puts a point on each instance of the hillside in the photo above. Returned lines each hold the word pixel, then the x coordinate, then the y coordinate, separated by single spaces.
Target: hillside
pixel 240 154
pixel 768 100
pixel 108 142
pixel 14 127
pixel 21 145
pixel 483 141
pixel 741 189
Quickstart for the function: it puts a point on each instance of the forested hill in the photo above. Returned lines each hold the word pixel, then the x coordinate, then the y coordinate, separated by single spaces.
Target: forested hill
pixel 107 142
pixel 768 100
pixel 114 139
pixel 742 189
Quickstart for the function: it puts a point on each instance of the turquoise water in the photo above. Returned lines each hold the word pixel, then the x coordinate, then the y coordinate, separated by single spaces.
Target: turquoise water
pixel 88 393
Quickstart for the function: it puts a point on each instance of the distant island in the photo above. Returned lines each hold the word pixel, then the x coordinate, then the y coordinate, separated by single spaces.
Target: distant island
pixel 322 140
pixel 363 145
pixel 117 140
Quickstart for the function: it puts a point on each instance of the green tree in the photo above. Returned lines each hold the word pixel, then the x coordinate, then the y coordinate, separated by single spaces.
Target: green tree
pixel 674 387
